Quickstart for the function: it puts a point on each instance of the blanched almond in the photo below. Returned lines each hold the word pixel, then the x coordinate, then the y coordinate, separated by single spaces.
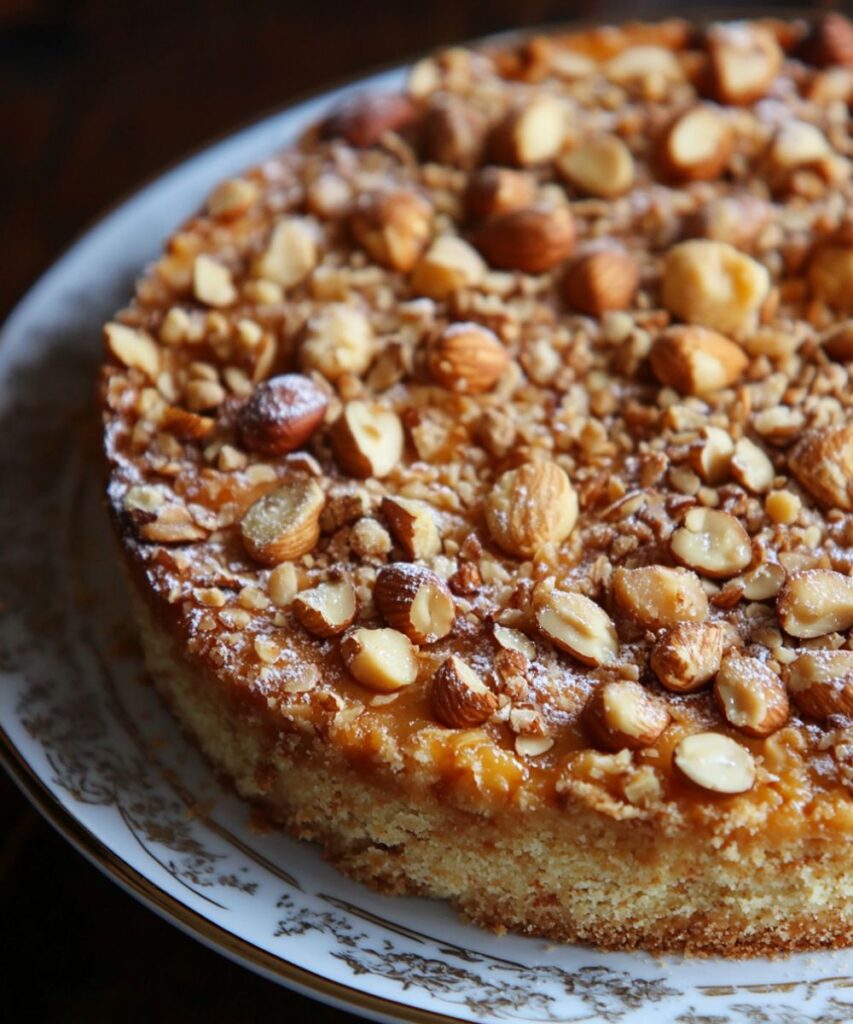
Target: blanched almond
pixel 283 523
pixel 695 360
pixel 576 624
pixel 281 414
pixel 821 684
pixel 291 253
pixel 697 146
pixel 327 609
pixel 380 659
pixel 449 264
pixel 531 133
pixel 623 715
pixel 751 467
pixel 531 240
pixel 459 699
pixel 656 595
pixel 823 463
pixel 496 190
pixel 601 281
pixel 745 59
pixel 712 542
pixel 337 340
pixel 530 507
pixel 602 167
pixel 413 526
pixel 467 358
pixel 815 602
pixel 394 227
pixel 751 697
pixel 132 348
pixel 367 439
pixel 414 600
pixel 715 763
pixel 688 656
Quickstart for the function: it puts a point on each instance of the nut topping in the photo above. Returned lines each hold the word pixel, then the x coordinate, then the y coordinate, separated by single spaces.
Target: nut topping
pixel 413 526
pixel 655 595
pixel 467 358
pixel 459 699
pixel 380 659
pixel 751 467
pixel 394 227
pixel 577 625
pixel 363 119
pixel 530 507
pixel 327 609
pixel 688 656
pixel 711 457
pixel 744 61
pixel 697 146
pixel 622 714
pixel 337 340
pixel 496 190
pixel 531 134
pixel 291 253
pixel 601 167
pixel 414 600
pixel 821 684
pixel 696 361
pixel 750 696
pixel 449 264
pixel 453 133
pixel 531 240
pixel 601 281
pixel 712 542
pixel 132 348
pixel 716 763
pixel 830 271
pixel 281 414
pixel 829 42
pixel 823 463
pixel 367 439
pixel 284 523
pixel 212 282
pixel 815 602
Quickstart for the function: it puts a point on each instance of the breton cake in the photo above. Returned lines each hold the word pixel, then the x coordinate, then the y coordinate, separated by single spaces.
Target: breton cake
pixel 483 473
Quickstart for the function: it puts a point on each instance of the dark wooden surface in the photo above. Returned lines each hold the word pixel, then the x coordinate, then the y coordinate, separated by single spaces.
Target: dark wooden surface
pixel 95 97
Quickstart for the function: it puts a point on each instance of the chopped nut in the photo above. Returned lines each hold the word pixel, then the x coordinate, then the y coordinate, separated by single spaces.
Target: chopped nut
pixel 453 133
pixel 751 467
pixel 414 600
pixel 530 507
pixel 496 432
pixel 380 659
pixel 815 602
pixel 655 595
pixel 764 582
pixel 783 507
pixel 750 696
pixel 531 134
pixel 697 146
pixel 533 746
pixel 449 264
pixel 600 167
pixel 821 684
pixel 212 283
pixel 714 285
pixel 830 271
pixel 779 425
pixel 282 414
pixel 394 227
pixel 514 640
pixel 496 190
pixel 369 539
pixel 367 439
pixel 695 360
pixel 467 358
pixel 188 426
pixel 202 395
pixel 643 62
pixel 623 715
pixel 823 463
pixel 688 656
pixel 829 41
pixel 413 526
pixel 577 625
pixel 132 348
pixel 716 763
pixel 712 542
pixel 284 523
pixel 364 119
pixel 171 524
pixel 338 340
pixel 601 281
pixel 459 699
pixel 532 240
pixel 745 59
pixel 327 609
pixel 291 253
pixel 232 198
pixel 711 457
pixel 738 220
pixel 283 584
pixel 838 343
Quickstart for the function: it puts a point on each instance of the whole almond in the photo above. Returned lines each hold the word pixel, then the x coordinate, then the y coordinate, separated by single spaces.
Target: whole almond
pixel 696 360
pixel 393 226
pixel 530 507
pixel 283 523
pixel 467 358
pixel 363 119
pixel 697 145
pixel 623 715
pixel 531 240
pixel 496 190
pixel 688 656
pixel 822 462
pixel 602 281
pixel 282 413
pixel 459 699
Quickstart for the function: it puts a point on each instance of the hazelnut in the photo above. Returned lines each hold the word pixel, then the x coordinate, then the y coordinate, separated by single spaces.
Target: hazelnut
pixel 829 42
pixel 496 190
pixel 602 167
pixel 453 133
pixel 744 61
pixel 283 523
pixel 530 134
pixel 602 281
pixel 623 715
pixel 530 507
pixel 751 697
pixel 281 414
pixel 413 526
pixel 751 467
pixel 697 145
pixel 449 264
pixel 711 456
pixel 363 119
pixel 822 462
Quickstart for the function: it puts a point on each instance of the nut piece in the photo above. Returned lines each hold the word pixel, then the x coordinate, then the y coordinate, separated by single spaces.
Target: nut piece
pixel 822 462
pixel 531 134
pixel 168 524
pixel 284 523
pixel 655 595
pixel 327 609
pixel 688 656
pixel 531 240
pixel 380 659
pixel 711 456
pixel 815 602
pixel 750 696
pixel 738 220
pixel 458 697
pixel 829 42
pixel 696 360
pixel 394 227
pixel 413 526
pixel 133 349
pixel 716 763
pixel 838 343
pixel 697 146
pixel 188 426
pixel 577 625
pixel 830 271
pixel 600 167
pixel 212 283
pixel 291 253
pixel 712 542
pixel 363 119
pixel 414 600
pixel 449 264
pixel 745 58
pixel 751 467
pixel 530 507
pixel 763 582
pixel 713 284
pixel 338 339
pixel 495 190
pixel 467 358
pixel 821 684
pixel 453 133
pixel 602 281
pixel 623 714
pixel 367 439
pixel 282 413
pixel 232 198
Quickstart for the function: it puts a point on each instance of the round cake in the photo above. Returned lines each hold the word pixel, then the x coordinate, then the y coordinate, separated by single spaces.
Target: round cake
pixel 483 473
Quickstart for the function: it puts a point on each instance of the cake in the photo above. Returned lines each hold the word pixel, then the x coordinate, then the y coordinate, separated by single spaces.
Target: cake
pixel 482 467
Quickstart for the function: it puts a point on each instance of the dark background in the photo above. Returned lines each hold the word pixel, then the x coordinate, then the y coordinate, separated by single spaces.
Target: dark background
pixel 96 96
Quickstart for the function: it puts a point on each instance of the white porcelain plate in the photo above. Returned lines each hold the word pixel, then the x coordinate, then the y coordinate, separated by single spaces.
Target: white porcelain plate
pixel 90 743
